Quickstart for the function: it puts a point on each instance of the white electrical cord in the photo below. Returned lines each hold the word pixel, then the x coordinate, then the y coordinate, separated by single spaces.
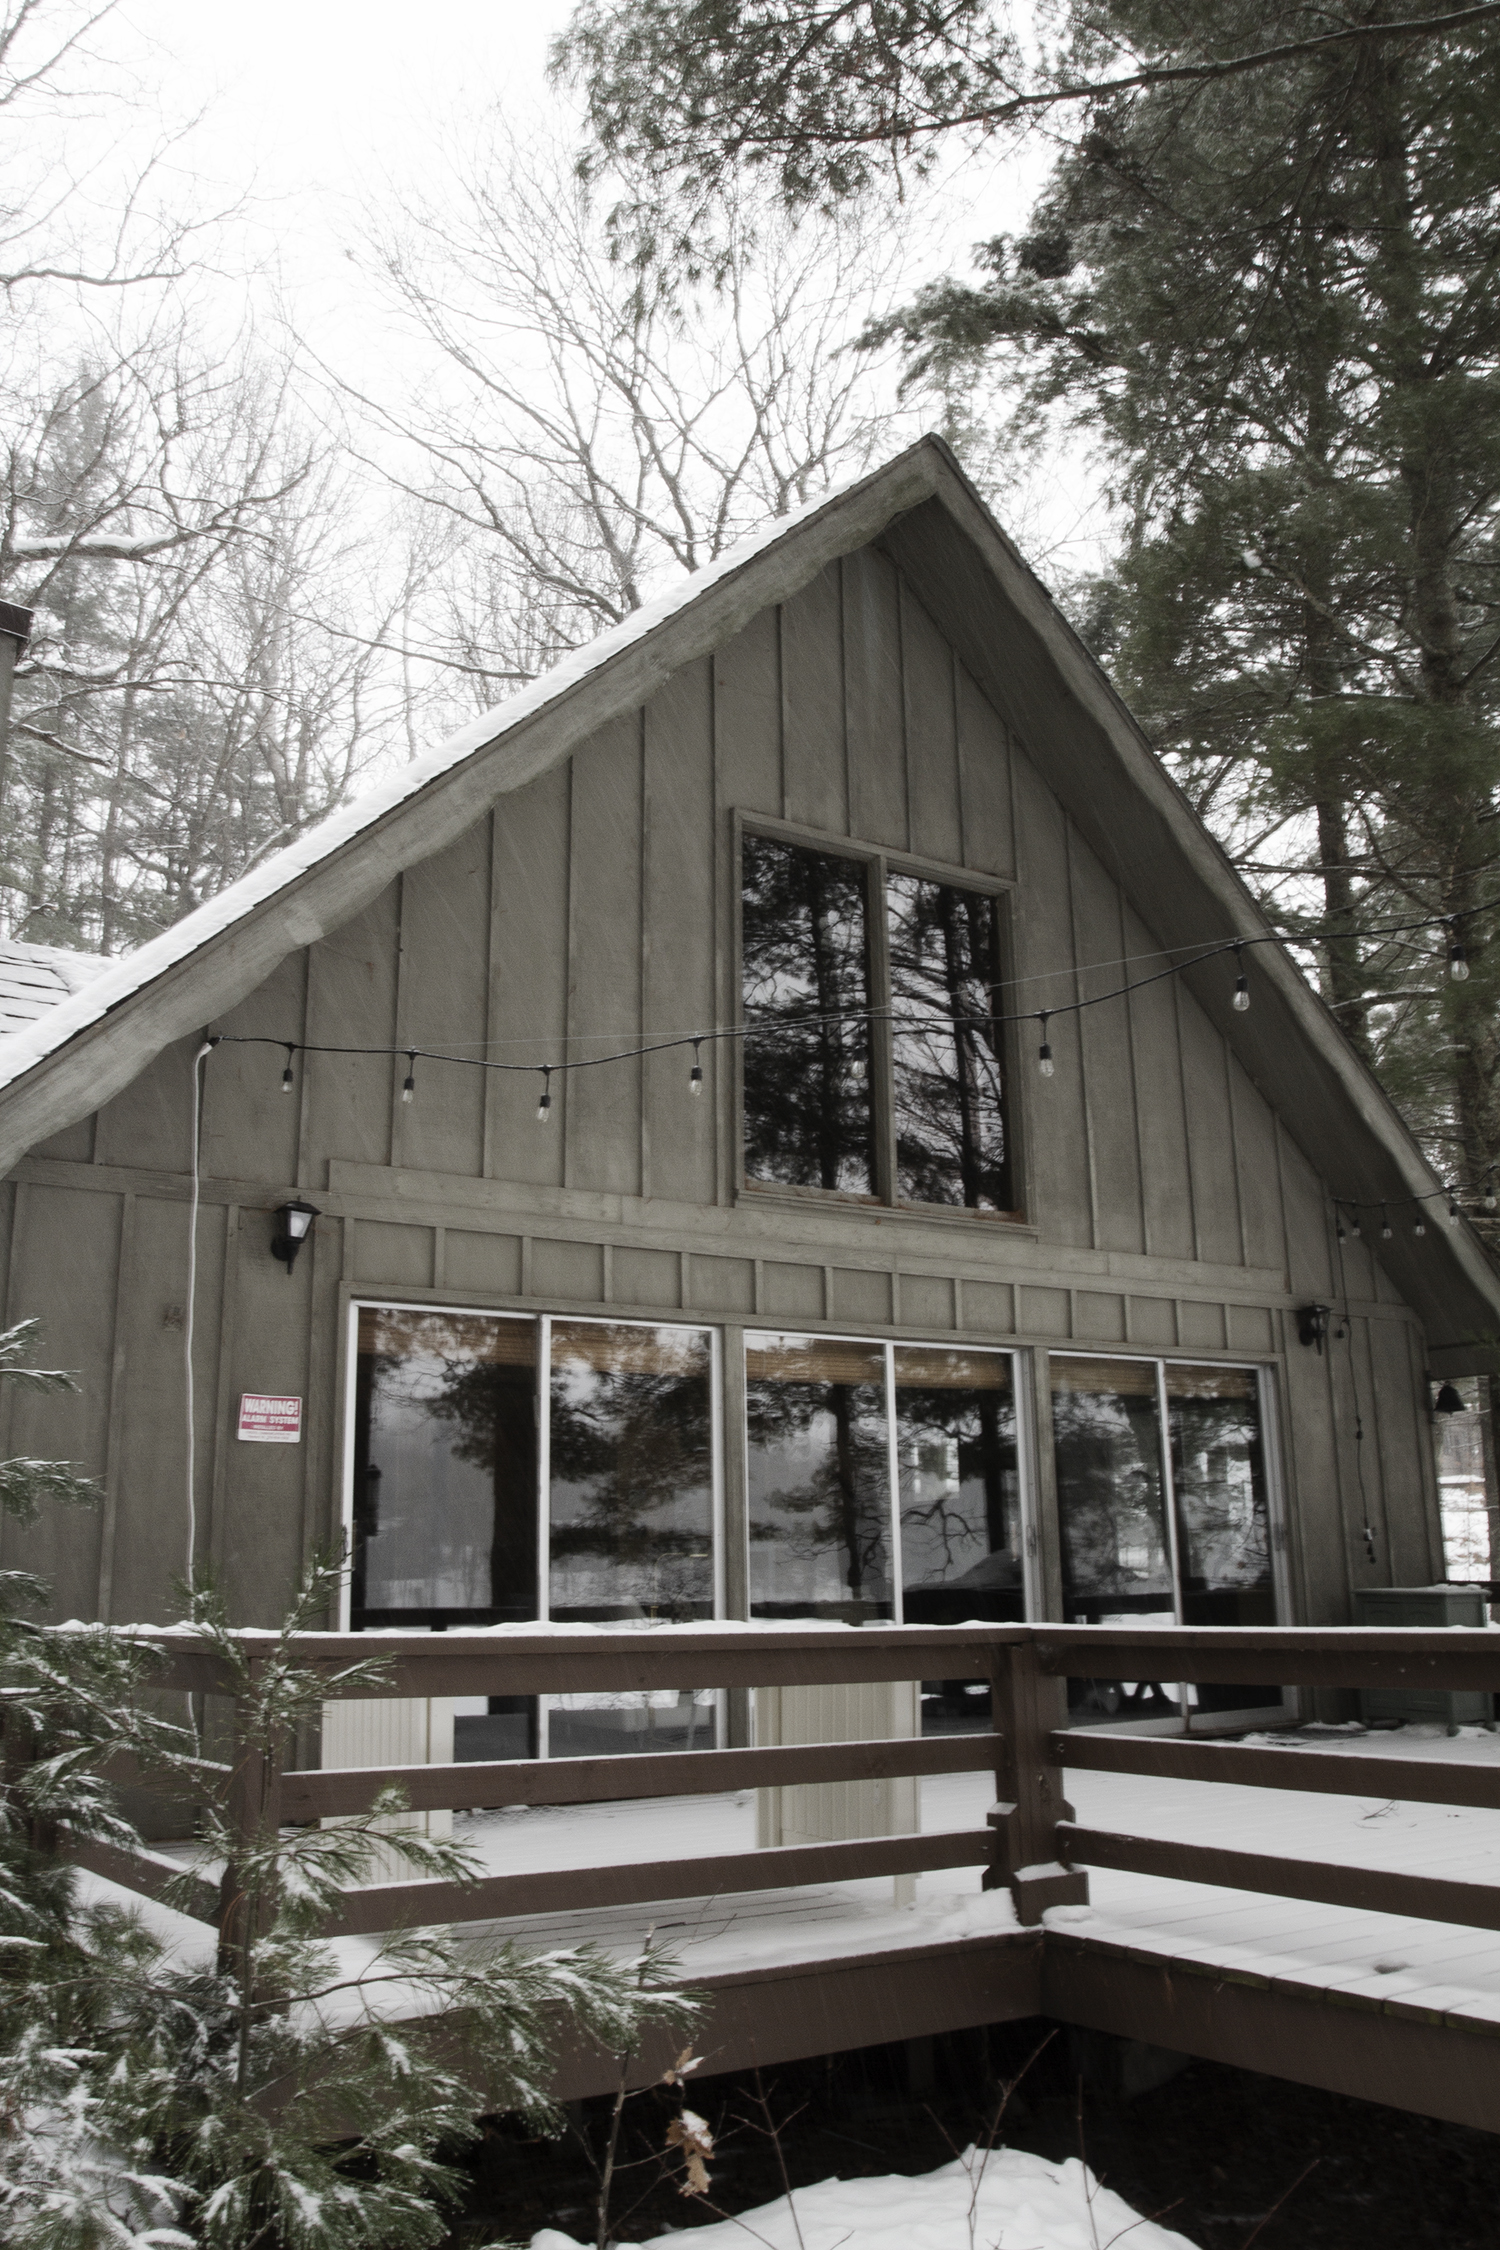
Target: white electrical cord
pixel 192 1292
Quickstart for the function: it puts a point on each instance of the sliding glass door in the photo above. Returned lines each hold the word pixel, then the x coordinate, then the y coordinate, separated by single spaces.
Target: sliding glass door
pixel 1163 1509
pixel 507 1468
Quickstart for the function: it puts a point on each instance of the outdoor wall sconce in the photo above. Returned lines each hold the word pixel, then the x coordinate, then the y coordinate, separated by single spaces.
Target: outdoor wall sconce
pixel 1312 1324
pixel 1448 1401
pixel 296 1225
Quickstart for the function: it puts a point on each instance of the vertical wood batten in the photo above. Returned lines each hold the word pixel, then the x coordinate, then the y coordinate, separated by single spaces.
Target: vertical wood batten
pixel 118 1383
pixel 1057 1146
pixel 529 975
pixel 812 706
pixel 443 1002
pixel 351 1001
pixel 985 782
pixel 601 1122
pixel 873 700
pixel 931 735
pixel 222 1436
pixel 678 970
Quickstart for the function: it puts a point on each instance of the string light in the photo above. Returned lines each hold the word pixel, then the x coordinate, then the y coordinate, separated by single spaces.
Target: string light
pixel 544 1106
pixel 409 1083
pixel 1354 1225
pixel 1339 1227
pixel 1044 1062
pixel 1420 1227
pixel 286 1076
pixel 695 1075
pixel 1489 1191
pixel 1241 982
pixel 1385 1224
pixel 1454 1214
pixel 1458 957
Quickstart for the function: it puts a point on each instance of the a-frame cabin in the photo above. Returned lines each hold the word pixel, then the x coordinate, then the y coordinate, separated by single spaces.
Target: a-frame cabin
pixel 876 1316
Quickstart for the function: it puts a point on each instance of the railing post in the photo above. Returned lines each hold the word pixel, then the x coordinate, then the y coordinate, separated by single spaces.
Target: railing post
pixel 253 1816
pixel 1027 1705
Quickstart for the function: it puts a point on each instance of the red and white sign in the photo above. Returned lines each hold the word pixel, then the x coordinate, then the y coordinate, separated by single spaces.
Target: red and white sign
pixel 268 1419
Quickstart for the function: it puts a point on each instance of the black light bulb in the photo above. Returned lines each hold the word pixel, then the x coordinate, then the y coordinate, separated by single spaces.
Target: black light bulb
pixel 695 1075
pixel 544 1106
pixel 286 1076
pixel 1420 1227
pixel 1241 984
pixel 409 1082
pixel 1385 1226
pixel 1044 1062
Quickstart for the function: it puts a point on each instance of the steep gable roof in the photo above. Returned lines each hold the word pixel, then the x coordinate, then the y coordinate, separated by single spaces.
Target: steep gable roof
pixel 922 511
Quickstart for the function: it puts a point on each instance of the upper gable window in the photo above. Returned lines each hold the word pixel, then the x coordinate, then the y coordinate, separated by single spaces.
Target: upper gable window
pixel 872 1064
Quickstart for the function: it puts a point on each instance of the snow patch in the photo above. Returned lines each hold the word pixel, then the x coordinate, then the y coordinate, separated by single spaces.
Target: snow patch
pixel 1020 2202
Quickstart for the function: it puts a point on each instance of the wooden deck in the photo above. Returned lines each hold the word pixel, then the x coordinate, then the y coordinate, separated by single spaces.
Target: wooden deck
pixel 1323 1907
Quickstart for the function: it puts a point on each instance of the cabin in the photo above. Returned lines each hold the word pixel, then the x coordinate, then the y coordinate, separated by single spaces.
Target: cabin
pixel 635 1050
pixel 791 1119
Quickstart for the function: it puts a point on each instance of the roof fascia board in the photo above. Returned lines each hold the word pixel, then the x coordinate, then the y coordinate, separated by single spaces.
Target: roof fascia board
pixel 91 1056
pixel 1187 892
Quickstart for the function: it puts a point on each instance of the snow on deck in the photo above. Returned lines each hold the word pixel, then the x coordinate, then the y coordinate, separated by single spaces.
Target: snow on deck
pixel 1436 1967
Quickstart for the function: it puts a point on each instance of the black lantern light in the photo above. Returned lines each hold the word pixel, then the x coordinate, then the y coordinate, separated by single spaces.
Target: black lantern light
pixel 296 1225
pixel 1312 1324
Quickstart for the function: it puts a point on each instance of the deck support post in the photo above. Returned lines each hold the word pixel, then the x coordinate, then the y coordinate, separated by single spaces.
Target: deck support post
pixel 1027 1706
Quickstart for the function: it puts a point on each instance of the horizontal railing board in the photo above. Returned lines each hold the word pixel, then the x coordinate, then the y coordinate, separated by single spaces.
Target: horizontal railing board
pixel 385 1906
pixel 148 1873
pixel 1276 1656
pixel 615 1663
pixel 1332 1773
pixel 1373 1890
pixel 672 1773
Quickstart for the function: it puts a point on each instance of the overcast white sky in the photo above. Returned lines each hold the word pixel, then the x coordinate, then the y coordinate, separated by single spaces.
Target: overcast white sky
pixel 310 103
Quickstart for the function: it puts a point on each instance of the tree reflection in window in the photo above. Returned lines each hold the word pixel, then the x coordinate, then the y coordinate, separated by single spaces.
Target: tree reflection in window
pixel 819 1478
pixel 960 1489
pixel 805 956
pixel 631 1472
pixel 1218 1471
pixel 1107 1437
pixel 950 1118
pixel 444 1469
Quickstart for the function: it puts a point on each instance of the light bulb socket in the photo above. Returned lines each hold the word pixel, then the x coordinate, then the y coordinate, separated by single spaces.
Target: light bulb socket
pixel 544 1106
pixel 1458 962
pixel 1241 994
pixel 695 1075
pixel 409 1082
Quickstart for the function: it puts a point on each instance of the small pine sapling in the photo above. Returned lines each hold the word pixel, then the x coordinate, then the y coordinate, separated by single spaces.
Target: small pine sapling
pixel 306 2093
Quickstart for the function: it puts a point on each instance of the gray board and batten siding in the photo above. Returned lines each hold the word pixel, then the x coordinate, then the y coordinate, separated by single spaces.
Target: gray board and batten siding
pixel 1166 1204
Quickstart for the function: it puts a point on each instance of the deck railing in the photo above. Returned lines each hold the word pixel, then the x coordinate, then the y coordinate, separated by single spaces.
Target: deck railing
pixel 1031 1843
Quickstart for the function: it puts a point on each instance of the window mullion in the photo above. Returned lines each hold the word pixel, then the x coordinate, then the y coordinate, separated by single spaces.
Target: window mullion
pixel 882 1058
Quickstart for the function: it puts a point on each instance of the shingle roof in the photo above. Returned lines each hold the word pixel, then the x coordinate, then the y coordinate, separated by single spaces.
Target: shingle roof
pixel 34 978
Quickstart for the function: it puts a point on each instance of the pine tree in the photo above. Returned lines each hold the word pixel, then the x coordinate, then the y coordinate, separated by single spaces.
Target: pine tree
pixel 266 2090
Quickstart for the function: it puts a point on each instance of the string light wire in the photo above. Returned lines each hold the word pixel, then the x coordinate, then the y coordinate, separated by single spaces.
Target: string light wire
pixel 926 1019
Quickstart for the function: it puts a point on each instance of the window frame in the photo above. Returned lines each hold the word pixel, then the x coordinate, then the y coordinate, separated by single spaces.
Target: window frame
pixel 875 859
pixel 1026 1467
pixel 541 1320
pixel 1266 1399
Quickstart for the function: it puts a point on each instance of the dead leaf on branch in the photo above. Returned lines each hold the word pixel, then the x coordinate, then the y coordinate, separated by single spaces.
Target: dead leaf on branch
pixel 690 2133
pixel 686 2063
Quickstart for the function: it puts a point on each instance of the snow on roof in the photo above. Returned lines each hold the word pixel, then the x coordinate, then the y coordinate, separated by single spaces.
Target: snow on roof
pixel 34 979
pixel 118 979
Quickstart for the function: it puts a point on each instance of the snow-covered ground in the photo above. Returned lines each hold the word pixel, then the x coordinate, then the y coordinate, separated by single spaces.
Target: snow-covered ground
pixel 1004 2201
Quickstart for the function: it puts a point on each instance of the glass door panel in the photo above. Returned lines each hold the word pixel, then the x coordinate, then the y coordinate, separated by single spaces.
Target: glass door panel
pixel 1111 1505
pixel 445 1464
pixel 630 1478
pixel 819 1478
pixel 1223 1520
pixel 959 1486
